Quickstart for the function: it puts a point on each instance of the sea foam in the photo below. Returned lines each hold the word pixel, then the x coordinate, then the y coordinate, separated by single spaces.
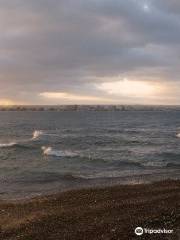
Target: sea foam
pixel 37 134
pixel 178 135
pixel 57 153
pixel 10 144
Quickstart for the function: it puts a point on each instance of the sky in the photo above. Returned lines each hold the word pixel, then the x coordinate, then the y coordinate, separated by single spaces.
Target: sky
pixel 89 52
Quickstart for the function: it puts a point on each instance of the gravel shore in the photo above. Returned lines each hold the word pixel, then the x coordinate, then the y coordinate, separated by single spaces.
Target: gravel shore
pixel 96 213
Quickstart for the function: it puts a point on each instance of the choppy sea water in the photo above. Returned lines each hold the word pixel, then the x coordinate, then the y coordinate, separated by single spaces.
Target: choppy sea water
pixel 44 152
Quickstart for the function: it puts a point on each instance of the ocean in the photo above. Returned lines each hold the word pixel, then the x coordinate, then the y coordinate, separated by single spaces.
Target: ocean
pixel 44 152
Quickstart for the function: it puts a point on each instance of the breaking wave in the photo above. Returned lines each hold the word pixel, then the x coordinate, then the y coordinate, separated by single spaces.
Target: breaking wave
pixel 178 135
pixel 37 134
pixel 57 153
pixel 17 145
pixel 10 144
pixel 22 143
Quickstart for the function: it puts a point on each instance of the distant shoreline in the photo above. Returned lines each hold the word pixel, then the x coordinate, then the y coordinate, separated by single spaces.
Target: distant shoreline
pixel 91 108
pixel 95 213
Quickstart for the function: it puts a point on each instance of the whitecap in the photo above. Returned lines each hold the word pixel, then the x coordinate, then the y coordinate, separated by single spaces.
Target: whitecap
pixel 10 144
pixel 178 135
pixel 58 153
pixel 37 134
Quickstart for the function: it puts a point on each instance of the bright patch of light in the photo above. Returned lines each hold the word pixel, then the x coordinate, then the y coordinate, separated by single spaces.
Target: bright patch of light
pixel 146 7
pixel 71 97
pixel 129 88
pixel 6 102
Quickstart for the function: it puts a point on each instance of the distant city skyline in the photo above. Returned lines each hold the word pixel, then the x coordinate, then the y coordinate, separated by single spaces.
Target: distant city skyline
pixel 89 52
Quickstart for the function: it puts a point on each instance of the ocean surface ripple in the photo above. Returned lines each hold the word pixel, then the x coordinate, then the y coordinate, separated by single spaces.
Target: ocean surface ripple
pixel 63 150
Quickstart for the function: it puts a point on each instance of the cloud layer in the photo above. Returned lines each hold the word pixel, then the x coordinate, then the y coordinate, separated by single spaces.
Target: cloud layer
pixel 71 46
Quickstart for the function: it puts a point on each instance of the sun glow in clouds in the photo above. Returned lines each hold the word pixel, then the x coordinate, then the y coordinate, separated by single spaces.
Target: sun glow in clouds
pixel 71 97
pixel 6 102
pixel 112 92
pixel 130 88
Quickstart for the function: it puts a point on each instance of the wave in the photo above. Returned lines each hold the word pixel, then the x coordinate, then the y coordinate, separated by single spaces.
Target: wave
pixel 37 134
pixel 23 143
pixel 17 145
pixel 178 135
pixel 160 165
pixel 10 144
pixel 173 165
pixel 20 143
pixel 174 156
pixel 130 164
pixel 57 153
pixel 47 177
pixel 152 164
pixel 148 164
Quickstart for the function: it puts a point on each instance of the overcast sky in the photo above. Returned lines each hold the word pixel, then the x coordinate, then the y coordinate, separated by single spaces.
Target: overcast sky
pixel 90 51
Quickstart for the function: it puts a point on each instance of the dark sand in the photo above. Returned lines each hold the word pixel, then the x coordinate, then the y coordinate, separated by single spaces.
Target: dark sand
pixel 100 213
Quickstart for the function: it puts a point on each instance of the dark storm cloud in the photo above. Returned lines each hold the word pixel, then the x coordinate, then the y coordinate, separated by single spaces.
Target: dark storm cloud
pixel 52 45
